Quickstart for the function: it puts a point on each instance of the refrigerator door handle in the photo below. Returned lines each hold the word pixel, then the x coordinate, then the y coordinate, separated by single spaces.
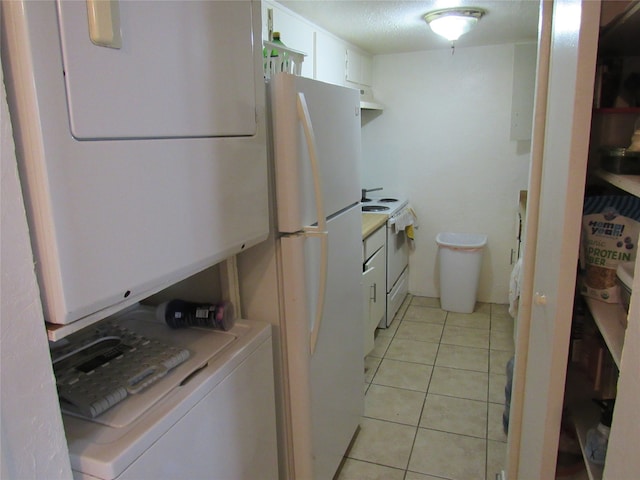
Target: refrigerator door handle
pixel 305 119
pixel 321 229
pixel 322 286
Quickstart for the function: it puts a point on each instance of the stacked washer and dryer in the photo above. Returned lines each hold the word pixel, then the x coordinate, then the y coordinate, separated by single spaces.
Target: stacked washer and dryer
pixel 397 244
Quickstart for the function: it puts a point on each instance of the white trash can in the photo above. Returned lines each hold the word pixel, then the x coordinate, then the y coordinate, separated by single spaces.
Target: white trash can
pixel 460 261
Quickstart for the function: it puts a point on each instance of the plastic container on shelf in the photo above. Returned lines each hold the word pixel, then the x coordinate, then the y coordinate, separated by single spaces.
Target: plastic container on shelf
pixel 623 161
pixel 635 138
pixel 460 262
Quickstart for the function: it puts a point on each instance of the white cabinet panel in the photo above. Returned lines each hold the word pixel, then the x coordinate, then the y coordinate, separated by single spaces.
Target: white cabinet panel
pixel 369 336
pixel 374 278
pixel 366 75
pixel 374 242
pixel 358 68
pixel 330 59
pixel 377 293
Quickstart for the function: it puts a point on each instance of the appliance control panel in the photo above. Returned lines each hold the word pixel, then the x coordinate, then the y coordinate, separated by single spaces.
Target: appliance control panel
pixel 100 367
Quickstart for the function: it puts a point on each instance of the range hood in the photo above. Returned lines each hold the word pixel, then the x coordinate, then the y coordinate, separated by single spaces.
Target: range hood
pixel 368 105
pixel 367 102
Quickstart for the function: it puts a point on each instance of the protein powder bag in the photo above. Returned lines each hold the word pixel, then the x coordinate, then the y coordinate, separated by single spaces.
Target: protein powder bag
pixel 610 228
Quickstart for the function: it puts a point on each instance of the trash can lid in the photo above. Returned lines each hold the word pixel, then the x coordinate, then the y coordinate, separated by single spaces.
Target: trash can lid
pixel 461 240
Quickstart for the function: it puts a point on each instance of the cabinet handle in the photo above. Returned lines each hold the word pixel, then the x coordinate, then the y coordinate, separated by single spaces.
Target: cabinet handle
pixel 375 296
pixel 104 23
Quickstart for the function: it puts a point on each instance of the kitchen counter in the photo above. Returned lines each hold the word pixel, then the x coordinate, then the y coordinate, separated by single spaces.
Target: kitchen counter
pixel 371 222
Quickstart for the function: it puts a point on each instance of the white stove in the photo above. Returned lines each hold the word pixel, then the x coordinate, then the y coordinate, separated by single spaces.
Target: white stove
pixel 397 251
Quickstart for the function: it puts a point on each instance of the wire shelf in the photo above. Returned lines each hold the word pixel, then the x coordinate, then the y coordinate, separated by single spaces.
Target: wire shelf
pixel 285 59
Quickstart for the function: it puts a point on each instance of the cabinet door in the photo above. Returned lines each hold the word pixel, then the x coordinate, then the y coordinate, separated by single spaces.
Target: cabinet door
pixel 374 286
pixel 330 59
pixel 367 284
pixel 173 56
pixel 358 68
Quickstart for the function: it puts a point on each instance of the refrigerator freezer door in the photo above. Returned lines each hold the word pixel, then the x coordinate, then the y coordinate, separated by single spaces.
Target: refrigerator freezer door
pixel 335 121
pixel 330 380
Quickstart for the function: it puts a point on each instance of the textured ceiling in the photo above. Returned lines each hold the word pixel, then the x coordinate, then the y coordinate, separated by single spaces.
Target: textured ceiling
pixel 385 26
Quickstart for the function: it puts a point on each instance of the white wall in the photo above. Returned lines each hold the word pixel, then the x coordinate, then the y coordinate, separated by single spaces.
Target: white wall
pixel 32 438
pixel 443 140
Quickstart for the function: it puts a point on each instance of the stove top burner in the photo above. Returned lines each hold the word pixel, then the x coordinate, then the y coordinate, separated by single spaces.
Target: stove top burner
pixel 374 208
pixel 387 205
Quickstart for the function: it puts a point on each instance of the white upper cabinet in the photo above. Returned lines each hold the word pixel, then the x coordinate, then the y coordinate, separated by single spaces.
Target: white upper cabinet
pixel 295 33
pixel 330 59
pixel 358 68
pixel 143 164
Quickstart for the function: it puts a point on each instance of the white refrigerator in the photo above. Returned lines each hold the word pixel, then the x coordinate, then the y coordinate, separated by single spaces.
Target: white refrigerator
pixel 306 279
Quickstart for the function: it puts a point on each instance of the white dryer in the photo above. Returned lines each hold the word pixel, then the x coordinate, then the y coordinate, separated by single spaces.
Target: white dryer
pixel 212 416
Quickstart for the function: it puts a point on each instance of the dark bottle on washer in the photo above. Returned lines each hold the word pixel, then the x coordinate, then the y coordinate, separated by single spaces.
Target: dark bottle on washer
pixel 181 314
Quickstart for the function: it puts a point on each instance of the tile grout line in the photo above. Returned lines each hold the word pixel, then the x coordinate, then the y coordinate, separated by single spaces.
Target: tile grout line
pixel 384 354
pixel 400 319
pixel 424 401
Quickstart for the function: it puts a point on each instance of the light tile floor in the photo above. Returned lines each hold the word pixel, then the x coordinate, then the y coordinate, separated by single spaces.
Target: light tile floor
pixel 434 396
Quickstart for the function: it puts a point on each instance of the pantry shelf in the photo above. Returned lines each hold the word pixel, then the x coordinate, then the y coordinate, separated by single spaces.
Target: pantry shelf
pixel 617 110
pixel 628 183
pixel 609 318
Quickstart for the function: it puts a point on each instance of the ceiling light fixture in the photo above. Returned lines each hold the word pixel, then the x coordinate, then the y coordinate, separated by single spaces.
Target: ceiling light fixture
pixel 452 23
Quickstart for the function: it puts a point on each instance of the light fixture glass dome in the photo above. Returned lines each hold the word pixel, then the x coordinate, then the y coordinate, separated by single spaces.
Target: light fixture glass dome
pixel 452 23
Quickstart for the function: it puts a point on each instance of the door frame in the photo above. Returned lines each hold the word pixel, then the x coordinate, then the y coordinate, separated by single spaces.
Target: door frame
pixel 568 36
